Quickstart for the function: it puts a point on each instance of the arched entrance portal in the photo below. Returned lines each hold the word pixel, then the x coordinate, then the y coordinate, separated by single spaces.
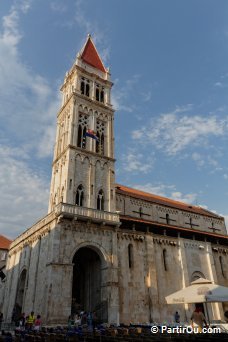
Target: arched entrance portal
pixel 86 287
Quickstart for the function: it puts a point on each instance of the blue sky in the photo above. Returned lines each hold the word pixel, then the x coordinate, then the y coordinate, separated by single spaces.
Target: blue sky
pixel 168 61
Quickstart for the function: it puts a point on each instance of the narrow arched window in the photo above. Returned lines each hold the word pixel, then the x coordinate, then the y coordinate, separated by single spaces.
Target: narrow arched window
pixel 79 143
pixel 87 90
pixel 84 138
pixel 100 200
pixel 164 252
pixel 82 87
pixel 222 266
pixel 130 255
pixel 102 144
pixel 102 96
pixel 98 143
pixel 79 196
pixel 167 218
pixel 97 94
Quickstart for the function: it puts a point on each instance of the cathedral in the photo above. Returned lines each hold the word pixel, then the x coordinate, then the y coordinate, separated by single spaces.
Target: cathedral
pixel 103 246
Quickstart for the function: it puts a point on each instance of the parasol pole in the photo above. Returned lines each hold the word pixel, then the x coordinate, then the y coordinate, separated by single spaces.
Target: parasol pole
pixel 207 313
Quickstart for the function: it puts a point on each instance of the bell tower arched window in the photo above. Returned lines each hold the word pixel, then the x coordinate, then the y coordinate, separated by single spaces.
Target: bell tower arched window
pixel 100 143
pixel 85 87
pixel 99 93
pixel 79 196
pixel 100 200
pixel 82 128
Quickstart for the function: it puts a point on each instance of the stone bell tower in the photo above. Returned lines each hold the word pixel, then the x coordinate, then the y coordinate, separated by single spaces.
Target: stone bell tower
pixel 83 167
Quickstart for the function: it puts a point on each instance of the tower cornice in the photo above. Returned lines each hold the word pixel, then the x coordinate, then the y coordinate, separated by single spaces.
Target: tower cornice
pixel 86 73
pixel 82 151
pixel 86 100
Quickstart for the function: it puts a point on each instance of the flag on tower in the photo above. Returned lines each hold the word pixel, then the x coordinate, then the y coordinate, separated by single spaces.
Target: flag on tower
pixel 90 133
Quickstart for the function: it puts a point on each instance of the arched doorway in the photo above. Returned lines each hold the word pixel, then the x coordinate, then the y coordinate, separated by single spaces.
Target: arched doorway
pixel 86 286
pixel 20 293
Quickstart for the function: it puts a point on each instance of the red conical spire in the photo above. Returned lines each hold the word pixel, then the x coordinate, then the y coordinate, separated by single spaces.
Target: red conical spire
pixel 90 55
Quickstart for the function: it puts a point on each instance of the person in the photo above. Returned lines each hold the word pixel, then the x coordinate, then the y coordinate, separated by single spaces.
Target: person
pixel 94 320
pixel 198 318
pixel 30 320
pixel 77 320
pixel 177 317
pixel 84 318
pixel 22 321
pixel 37 325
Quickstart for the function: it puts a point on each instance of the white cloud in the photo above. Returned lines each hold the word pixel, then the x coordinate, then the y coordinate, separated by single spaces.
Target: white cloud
pixel 120 94
pixel 168 191
pixel 24 193
pixel 146 96
pixel 159 189
pixel 28 111
pixel 198 158
pixel 186 198
pixel 28 103
pixel 218 84
pixel 137 162
pixel 175 131
pixel 58 6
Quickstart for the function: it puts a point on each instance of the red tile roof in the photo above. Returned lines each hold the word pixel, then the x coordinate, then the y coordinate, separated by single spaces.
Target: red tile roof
pixel 4 242
pixel 90 55
pixel 163 201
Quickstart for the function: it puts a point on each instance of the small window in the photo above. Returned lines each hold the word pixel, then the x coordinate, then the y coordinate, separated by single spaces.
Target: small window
pixel 167 218
pixel 130 256
pixel 165 259
pixel 3 256
pixel 222 266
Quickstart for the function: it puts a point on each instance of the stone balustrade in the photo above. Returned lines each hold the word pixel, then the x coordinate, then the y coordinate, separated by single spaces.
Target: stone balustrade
pixel 83 213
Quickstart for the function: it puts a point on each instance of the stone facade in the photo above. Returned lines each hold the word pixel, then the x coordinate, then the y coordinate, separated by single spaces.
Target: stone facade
pixel 4 248
pixel 102 246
